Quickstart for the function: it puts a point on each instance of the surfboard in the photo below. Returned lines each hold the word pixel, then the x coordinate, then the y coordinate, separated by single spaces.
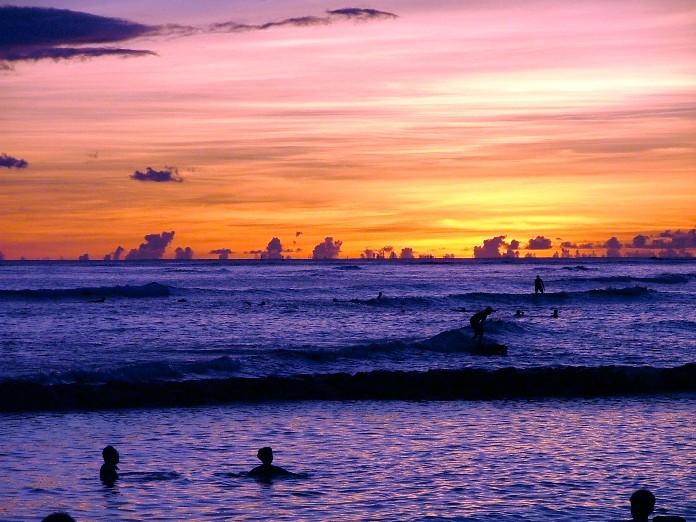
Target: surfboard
pixel 487 349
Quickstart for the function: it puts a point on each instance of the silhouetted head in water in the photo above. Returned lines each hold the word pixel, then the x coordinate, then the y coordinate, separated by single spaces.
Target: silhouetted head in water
pixel 58 517
pixel 555 313
pixel 265 455
pixel 267 471
pixel 642 505
pixel 380 296
pixel 109 470
pixel 519 313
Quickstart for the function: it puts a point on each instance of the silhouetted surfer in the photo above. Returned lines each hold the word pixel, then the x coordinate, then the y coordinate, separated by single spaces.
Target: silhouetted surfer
pixel 109 470
pixel 380 296
pixel 477 320
pixel 554 315
pixel 519 313
pixel 539 287
pixel 267 471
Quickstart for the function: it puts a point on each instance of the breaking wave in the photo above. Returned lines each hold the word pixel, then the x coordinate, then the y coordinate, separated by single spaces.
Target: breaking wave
pixel 662 279
pixel 97 292
pixel 631 292
pixel 463 384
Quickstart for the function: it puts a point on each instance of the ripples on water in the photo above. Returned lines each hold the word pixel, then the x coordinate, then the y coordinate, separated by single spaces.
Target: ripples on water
pixel 523 460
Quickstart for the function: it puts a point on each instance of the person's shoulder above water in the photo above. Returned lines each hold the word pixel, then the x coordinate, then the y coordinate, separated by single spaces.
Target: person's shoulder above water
pixel 267 470
pixel 58 517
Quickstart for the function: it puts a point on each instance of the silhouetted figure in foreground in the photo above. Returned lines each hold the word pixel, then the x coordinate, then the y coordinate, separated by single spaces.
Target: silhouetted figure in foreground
pixel 477 320
pixel 109 470
pixel 539 287
pixel 267 471
pixel 643 504
pixel 58 517
pixel 519 313
pixel 555 313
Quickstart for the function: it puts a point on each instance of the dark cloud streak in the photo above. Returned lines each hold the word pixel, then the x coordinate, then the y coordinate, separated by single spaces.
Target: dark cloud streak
pixel 39 33
pixel 166 175
pixel 11 162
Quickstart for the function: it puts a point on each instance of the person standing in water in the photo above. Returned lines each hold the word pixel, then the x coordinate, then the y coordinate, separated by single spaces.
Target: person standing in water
pixel 539 287
pixel 477 320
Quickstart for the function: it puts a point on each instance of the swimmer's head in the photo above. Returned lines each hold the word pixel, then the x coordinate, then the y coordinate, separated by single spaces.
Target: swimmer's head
pixel 489 310
pixel 60 516
pixel 642 504
pixel 110 455
pixel 265 455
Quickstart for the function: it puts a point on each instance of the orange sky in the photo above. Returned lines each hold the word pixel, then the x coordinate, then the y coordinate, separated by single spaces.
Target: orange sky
pixel 454 122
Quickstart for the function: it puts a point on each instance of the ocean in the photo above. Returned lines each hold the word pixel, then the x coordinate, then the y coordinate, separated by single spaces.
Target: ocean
pixel 153 327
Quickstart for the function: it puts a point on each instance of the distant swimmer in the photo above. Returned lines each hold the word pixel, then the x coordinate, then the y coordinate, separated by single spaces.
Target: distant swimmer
pixel 519 313
pixel 267 471
pixel 380 296
pixel 109 470
pixel 60 516
pixel 554 315
pixel 539 287
pixel 477 320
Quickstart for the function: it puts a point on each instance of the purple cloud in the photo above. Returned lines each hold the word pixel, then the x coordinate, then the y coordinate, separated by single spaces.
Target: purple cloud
pixel 11 162
pixel 327 249
pixel 539 243
pixel 183 254
pixel 153 247
pixel 167 174
pixel 115 255
pixel 38 33
pixel 406 253
pixel 222 253
pixel 613 246
pixel 490 249
pixel 336 15
pixel 273 251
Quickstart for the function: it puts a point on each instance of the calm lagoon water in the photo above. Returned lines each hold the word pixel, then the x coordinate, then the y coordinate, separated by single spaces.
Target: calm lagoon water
pixel 495 460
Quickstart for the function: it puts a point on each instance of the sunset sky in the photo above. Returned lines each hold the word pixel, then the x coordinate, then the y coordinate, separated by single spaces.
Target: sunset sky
pixel 450 123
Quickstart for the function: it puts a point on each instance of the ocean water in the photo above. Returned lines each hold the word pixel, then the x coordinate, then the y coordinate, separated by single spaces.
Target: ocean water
pixel 148 324
pixel 198 320
pixel 479 461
